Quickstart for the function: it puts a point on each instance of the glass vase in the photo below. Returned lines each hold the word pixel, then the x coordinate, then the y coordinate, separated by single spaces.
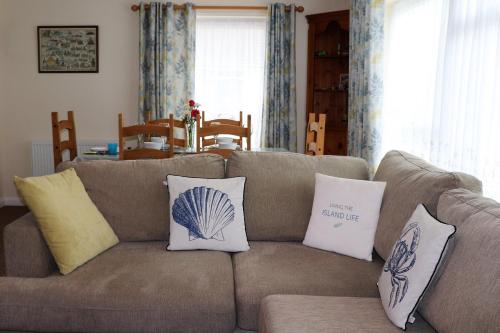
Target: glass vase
pixel 191 137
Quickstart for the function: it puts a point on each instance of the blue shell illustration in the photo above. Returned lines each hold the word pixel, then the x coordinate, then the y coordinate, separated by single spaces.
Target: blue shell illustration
pixel 401 261
pixel 204 211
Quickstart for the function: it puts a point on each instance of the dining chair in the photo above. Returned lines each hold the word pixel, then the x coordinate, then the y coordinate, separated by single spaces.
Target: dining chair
pixel 174 124
pixel 217 128
pixel 146 130
pixel 59 145
pixel 315 137
pixel 221 121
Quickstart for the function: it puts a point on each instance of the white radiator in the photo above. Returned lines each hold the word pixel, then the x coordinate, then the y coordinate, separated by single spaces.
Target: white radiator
pixel 42 161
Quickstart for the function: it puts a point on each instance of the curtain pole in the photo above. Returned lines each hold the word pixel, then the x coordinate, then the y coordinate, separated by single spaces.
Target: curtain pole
pixel 299 9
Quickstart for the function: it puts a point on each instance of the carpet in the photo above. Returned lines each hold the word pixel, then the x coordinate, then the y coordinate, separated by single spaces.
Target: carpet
pixel 7 215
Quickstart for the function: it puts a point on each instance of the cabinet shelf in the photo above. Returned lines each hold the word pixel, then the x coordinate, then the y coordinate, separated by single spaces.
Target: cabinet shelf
pixel 330 90
pixel 341 56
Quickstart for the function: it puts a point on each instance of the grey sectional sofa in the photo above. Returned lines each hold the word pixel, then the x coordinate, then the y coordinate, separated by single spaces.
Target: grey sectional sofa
pixel 138 286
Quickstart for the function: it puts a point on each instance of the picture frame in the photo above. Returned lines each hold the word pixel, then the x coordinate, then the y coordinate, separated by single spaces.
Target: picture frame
pixel 68 49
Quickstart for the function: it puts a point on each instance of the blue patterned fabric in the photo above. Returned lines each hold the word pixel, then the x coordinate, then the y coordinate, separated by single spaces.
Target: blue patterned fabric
pixel 365 79
pixel 279 124
pixel 204 211
pixel 167 58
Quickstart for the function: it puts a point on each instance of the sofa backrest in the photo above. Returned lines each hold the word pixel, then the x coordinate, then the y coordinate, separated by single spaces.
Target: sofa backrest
pixel 467 296
pixel 279 190
pixel 131 194
pixel 411 181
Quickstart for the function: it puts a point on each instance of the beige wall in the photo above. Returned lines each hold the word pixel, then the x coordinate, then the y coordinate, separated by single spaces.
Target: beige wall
pixel 29 97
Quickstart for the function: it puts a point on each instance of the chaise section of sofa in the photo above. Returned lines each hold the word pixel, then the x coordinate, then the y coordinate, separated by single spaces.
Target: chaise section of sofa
pixel 466 298
pixel 320 314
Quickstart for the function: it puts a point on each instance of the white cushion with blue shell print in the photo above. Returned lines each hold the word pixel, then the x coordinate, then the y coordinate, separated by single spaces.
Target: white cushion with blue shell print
pixel 207 214
pixel 413 264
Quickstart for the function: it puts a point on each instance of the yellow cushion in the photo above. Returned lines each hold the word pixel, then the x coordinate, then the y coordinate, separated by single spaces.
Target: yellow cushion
pixel 73 228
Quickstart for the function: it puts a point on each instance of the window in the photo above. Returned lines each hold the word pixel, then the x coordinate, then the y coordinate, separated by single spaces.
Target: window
pixel 442 92
pixel 229 74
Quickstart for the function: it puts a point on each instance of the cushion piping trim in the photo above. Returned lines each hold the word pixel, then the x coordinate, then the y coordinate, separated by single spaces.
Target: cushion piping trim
pixel 476 208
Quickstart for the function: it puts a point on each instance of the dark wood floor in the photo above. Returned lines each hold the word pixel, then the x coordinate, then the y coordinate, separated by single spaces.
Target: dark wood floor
pixel 7 215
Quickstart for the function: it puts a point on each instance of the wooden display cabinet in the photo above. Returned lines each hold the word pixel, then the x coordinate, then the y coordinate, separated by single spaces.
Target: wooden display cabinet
pixel 328 75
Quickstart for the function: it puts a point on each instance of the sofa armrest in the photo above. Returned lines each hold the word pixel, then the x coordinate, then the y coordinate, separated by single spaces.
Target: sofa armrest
pixel 26 253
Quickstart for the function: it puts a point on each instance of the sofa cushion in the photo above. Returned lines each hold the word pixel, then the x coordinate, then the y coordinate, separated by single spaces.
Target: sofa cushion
pixel 292 268
pixel 411 181
pixel 133 287
pixel 279 191
pixel 26 252
pixel 467 296
pixel 320 314
pixel 414 262
pixel 71 224
pixel 131 195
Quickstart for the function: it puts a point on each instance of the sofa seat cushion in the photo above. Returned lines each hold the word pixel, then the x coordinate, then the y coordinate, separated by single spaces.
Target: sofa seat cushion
pixel 323 314
pixel 133 287
pixel 292 268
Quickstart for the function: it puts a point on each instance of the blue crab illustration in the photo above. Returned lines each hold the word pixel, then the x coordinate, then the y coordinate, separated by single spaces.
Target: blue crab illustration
pixel 401 261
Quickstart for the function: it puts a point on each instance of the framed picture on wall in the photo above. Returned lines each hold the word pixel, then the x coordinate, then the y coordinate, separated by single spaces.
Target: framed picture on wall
pixel 68 49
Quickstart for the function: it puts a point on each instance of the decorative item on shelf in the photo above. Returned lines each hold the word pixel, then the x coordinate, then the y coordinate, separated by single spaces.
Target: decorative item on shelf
pixel 189 118
pixel 321 53
pixel 344 82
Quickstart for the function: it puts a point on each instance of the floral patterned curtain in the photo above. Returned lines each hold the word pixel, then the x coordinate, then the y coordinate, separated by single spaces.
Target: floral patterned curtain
pixel 166 56
pixel 365 79
pixel 279 125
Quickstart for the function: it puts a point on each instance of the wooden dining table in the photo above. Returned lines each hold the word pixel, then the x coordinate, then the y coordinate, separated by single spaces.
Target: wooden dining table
pixel 90 156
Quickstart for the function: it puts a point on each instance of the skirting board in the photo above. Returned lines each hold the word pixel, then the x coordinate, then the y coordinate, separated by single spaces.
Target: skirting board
pixel 11 201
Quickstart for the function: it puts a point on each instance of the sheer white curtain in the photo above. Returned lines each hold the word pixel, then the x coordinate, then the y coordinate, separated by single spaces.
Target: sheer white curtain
pixel 229 74
pixel 442 85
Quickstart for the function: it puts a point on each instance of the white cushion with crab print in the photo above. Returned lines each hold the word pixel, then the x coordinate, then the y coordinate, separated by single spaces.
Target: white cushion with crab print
pixel 207 214
pixel 413 264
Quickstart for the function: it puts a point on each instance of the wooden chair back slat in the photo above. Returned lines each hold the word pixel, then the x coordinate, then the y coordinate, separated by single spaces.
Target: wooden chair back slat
pixel 220 121
pixel 60 146
pixel 224 130
pixel 173 123
pixel 153 130
pixel 232 122
pixel 207 130
pixel 315 136
pixel 148 131
pixel 65 124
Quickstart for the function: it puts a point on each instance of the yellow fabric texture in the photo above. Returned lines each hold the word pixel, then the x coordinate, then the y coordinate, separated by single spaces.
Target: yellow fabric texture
pixel 71 224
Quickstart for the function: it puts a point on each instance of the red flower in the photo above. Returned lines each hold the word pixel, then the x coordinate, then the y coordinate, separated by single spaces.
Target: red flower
pixel 191 103
pixel 194 113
